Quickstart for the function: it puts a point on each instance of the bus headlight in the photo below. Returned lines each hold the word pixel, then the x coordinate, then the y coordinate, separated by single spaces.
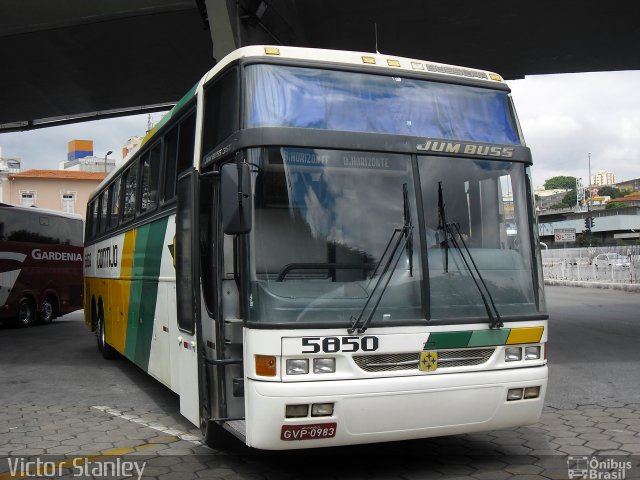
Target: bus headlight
pixel 324 365
pixel 322 409
pixel 514 394
pixel 512 354
pixel 532 392
pixel 297 366
pixel 532 353
pixel 296 411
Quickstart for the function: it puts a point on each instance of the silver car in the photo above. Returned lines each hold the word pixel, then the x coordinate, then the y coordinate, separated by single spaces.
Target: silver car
pixel 615 260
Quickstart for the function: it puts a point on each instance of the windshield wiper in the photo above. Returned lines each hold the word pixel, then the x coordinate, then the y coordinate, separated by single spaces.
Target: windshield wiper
pixel 494 320
pixel 407 232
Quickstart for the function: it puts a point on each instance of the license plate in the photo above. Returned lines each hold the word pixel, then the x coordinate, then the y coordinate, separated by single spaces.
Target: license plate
pixel 308 432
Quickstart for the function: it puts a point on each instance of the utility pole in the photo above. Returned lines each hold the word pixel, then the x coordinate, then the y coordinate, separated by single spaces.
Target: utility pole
pixel 589 203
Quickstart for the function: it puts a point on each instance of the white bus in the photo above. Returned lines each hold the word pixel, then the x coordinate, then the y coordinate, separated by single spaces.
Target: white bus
pixel 319 248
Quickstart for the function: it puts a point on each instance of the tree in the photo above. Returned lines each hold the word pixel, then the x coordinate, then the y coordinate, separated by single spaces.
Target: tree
pixel 570 198
pixel 560 182
pixel 588 240
pixel 615 205
pixel 557 206
pixel 609 191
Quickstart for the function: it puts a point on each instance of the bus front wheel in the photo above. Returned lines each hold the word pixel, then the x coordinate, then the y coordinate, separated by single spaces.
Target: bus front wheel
pixel 215 436
pixel 26 312
pixel 106 350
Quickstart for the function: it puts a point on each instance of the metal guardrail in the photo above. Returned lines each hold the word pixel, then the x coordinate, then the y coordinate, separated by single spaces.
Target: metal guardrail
pixel 576 264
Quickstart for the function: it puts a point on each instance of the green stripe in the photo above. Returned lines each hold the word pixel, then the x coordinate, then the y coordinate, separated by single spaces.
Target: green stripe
pixel 438 340
pixel 469 338
pixel 147 259
pixel 484 338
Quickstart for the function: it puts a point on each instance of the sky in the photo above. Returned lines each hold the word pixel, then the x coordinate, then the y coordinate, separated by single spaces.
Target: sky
pixel 564 119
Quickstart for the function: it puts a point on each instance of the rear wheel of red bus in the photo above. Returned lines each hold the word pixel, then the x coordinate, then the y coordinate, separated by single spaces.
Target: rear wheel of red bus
pixel 47 310
pixel 26 312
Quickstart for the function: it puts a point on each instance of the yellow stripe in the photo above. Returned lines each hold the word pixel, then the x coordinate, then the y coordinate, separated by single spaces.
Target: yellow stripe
pixel 525 335
pixel 120 290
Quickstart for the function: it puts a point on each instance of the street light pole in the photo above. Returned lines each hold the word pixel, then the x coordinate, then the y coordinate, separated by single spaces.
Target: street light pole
pixel 105 161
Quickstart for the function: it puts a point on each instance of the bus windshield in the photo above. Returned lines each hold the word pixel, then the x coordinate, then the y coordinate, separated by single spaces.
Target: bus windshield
pixel 279 96
pixel 486 204
pixel 324 221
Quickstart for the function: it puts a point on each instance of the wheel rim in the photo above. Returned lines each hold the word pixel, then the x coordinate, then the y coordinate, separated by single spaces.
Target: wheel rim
pixel 101 334
pixel 25 314
pixel 47 311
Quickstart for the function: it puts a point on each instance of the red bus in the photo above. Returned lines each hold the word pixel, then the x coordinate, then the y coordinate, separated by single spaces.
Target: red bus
pixel 40 264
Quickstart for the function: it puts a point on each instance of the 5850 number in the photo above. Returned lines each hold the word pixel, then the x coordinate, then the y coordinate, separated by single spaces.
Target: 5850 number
pixel 339 344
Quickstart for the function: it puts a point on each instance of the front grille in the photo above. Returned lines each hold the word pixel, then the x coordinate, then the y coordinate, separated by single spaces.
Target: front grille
pixel 464 357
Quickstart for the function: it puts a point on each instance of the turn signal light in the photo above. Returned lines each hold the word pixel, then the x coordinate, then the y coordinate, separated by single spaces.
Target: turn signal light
pixel 266 365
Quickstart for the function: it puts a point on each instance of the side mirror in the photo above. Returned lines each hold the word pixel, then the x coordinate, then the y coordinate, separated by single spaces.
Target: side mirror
pixel 235 198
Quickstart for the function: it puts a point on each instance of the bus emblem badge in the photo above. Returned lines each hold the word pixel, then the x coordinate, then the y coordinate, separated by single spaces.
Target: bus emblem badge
pixel 428 361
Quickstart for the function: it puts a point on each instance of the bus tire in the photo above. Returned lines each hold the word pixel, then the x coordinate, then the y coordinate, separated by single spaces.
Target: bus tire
pixel 215 436
pixel 107 351
pixel 47 310
pixel 26 312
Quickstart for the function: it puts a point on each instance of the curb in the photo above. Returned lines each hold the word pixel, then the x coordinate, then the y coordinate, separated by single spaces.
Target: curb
pixel 627 287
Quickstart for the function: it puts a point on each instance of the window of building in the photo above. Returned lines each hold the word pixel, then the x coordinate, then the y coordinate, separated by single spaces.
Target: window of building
pixel 27 198
pixel 69 202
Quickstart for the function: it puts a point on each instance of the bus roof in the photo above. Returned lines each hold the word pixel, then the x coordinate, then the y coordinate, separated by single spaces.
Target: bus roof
pixel 373 61
pixel 369 60
pixel 42 211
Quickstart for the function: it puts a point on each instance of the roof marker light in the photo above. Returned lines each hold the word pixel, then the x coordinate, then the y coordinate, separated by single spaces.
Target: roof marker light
pixel 369 60
pixel 417 66
pixel 272 50
pixel 393 63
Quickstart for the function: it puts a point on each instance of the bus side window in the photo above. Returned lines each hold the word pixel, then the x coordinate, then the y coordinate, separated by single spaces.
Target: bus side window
pixel 186 143
pixel 91 220
pixel 130 190
pixel 220 110
pixel 104 210
pixel 170 165
pixel 150 177
pixel 114 209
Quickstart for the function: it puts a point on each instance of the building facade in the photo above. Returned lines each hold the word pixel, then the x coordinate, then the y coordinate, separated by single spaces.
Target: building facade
pixel 603 178
pixel 62 190
pixel 8 166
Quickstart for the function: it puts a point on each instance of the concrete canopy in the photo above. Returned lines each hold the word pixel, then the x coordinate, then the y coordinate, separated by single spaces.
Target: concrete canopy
pixel 85 59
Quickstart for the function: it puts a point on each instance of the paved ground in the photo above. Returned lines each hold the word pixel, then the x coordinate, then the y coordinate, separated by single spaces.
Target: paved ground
pixel 169 449
pixel 84 417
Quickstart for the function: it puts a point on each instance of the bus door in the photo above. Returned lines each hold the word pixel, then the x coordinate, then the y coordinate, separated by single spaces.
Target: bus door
pixel 184 344
pixel 222 325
